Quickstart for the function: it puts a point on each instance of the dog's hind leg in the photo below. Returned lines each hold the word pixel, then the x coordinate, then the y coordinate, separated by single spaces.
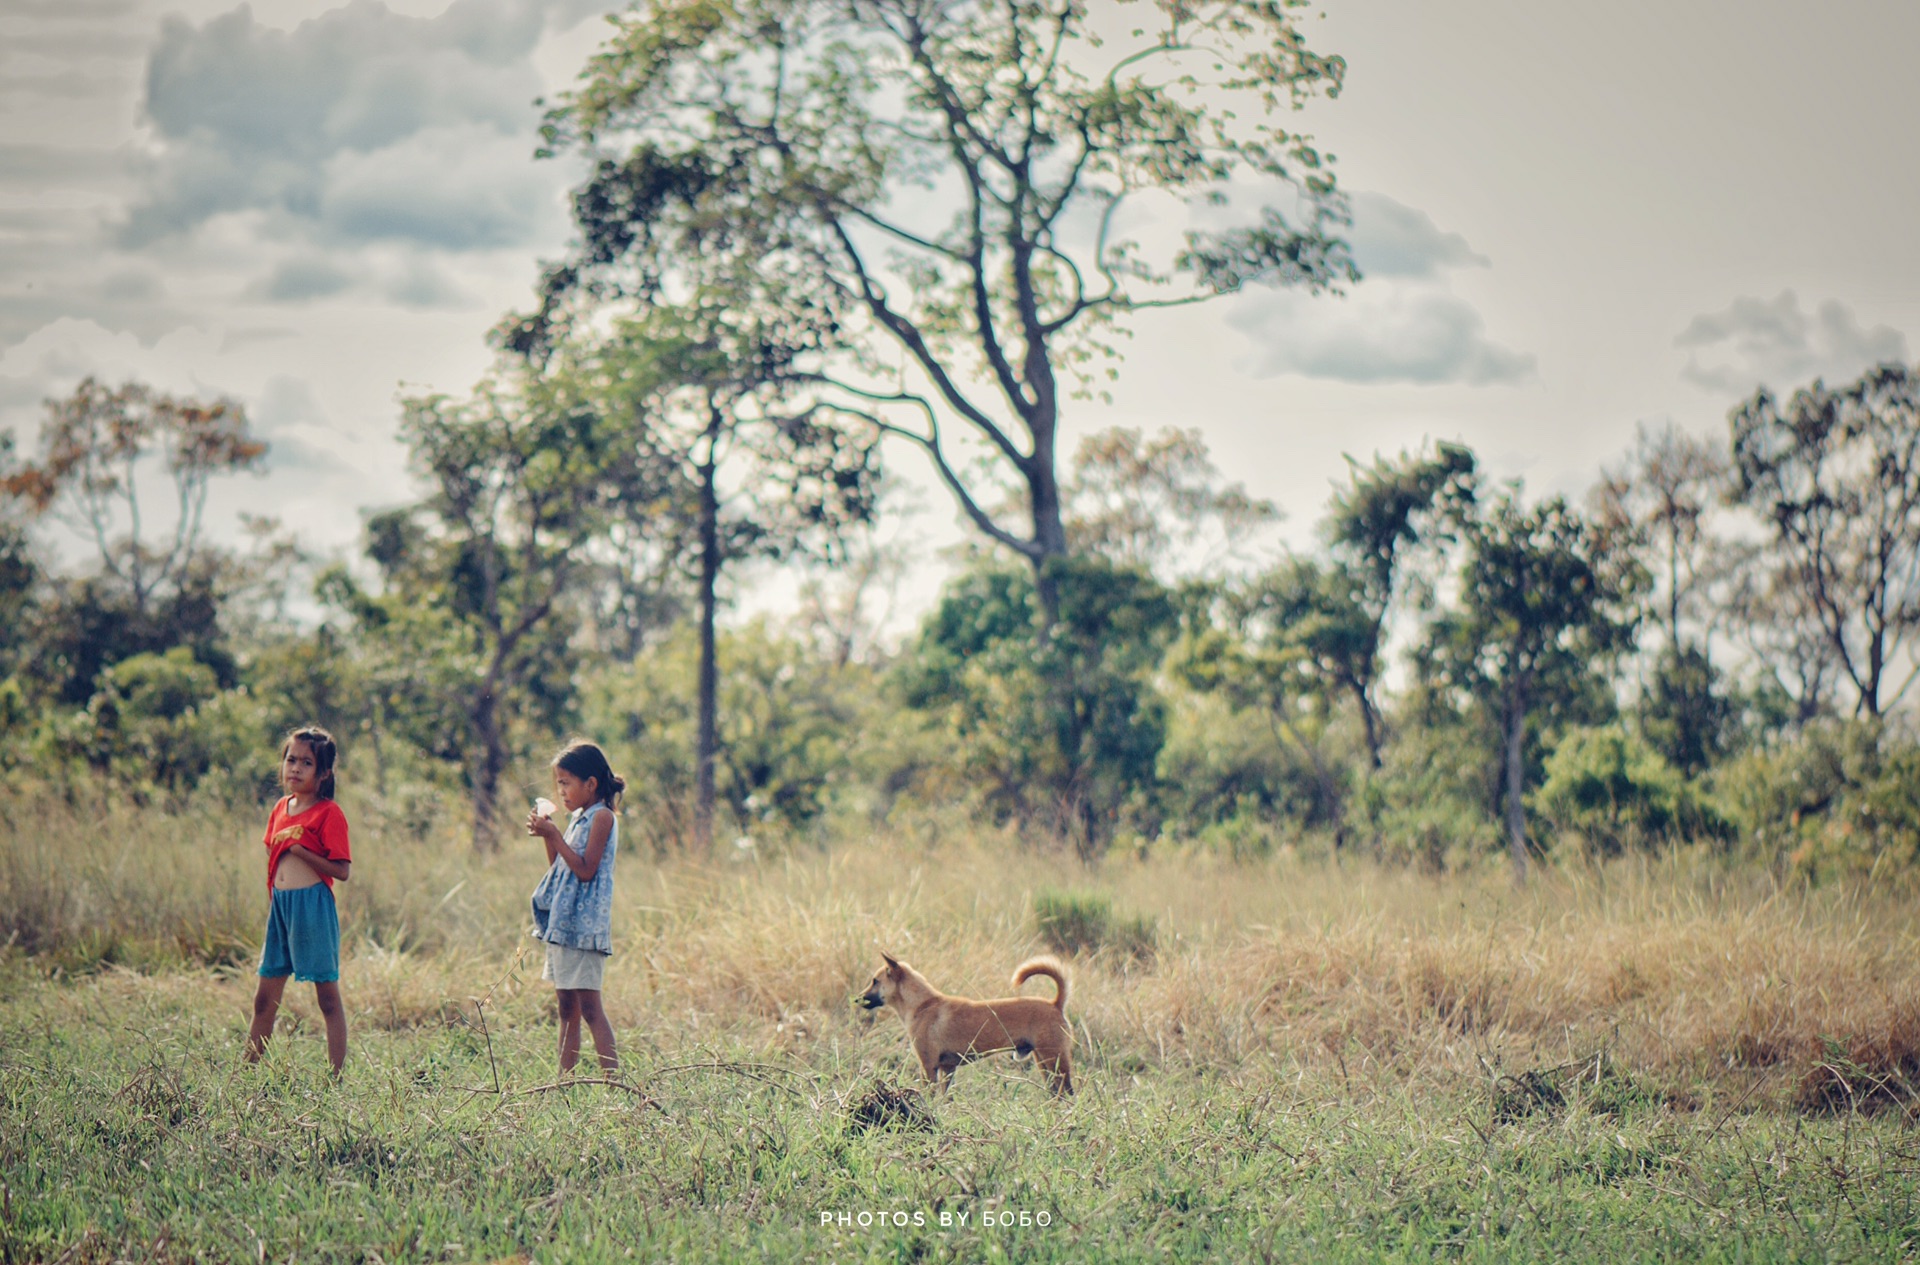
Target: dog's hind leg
pixel 1059 1070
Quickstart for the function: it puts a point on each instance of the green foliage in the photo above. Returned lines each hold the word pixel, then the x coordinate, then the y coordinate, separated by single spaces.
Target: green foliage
pixel 798 736
pixel 157 724
pixel 1834 799
pixel 521 479
pixel 1432 804
pixel 1537 624
pixel 1686 715
pixel 1228 776
pixel 1617 793
pixel 83 626
pixel 1080 922
pixel 1388 512
pixel 20 583
pixel 1058 724
pixel 1295 638
pixel 774 157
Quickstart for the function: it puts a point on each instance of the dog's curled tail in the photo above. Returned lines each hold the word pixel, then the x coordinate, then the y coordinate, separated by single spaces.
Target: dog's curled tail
pixel 1050 968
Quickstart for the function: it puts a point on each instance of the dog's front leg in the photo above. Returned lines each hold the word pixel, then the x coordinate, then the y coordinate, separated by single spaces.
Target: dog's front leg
pixel 932 1065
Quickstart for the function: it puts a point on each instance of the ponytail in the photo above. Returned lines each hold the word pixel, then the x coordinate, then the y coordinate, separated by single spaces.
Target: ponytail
pixel 586 760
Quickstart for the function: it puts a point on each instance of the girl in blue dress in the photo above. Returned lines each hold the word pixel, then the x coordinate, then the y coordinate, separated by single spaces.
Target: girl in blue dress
pixel 573 905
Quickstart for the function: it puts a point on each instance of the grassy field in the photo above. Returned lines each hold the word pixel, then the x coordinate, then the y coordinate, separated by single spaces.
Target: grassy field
pixel 1293 1060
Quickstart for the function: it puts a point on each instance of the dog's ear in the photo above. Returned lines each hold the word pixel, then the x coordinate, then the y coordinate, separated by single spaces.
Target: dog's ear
pixel 893 963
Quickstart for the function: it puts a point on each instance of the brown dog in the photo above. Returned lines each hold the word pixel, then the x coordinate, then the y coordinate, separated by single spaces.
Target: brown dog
pixel 948 1031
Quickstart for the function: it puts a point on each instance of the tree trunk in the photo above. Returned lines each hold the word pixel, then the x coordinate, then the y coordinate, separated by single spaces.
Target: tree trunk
pixel 707 739
pixel 1516 725
pixel 1049 524
pixel 1331 801
pixel 379 753
pixel 1371 720
pixel 489 762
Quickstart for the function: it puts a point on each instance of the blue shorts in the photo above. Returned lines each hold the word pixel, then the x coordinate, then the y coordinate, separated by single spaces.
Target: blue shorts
pixel 303 936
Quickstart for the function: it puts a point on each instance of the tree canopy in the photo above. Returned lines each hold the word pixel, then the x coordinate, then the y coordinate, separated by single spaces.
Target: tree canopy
pixel 936 195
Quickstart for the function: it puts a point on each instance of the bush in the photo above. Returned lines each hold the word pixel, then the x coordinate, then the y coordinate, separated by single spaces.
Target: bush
pixel 1060 725
pixel 1836 798
pixel 1081 923
pixel 1225 773
pixel 158 724
pixel 1430 799
pixel 1615 792
pixel 794 730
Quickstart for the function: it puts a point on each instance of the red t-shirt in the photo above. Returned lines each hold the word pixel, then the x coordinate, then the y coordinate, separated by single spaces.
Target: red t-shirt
pixel 322 828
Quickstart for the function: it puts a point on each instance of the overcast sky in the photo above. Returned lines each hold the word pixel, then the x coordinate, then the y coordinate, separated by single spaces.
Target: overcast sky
pixel 1574 218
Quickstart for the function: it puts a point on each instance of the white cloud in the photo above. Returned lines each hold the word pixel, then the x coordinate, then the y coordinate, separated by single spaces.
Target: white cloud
pixel 299 435
pixel 484 192
pixel 1380 332
pixel 359 124
pixel 302 280
pixel 1390 239
pixel 1400 323
pixel 422 283
pixel 1756 342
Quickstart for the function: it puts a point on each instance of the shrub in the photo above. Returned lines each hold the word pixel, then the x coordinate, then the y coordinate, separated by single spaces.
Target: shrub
pixel 1057 725
pixel 1610 788
pixel 794 731
pixel 1429 800
pixel 1226 776
pixel 1073 922
pixel 1838 797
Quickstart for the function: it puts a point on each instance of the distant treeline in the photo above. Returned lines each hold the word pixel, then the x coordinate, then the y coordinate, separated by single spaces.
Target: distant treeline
pixel 1711 648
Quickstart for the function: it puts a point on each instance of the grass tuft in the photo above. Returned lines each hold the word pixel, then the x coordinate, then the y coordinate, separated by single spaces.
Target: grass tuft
pixel 1081 922
pixel 888 1106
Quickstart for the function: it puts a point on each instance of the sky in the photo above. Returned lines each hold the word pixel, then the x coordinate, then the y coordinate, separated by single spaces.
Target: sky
pixel 1573 220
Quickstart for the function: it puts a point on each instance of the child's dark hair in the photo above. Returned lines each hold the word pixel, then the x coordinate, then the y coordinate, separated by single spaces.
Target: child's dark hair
pixel 585 760
pixel 325 751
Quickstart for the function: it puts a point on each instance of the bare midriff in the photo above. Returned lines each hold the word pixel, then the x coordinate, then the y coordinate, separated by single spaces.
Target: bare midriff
pixel 293 873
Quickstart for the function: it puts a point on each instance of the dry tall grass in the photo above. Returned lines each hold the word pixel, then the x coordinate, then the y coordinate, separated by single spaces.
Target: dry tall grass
pixel 1685 971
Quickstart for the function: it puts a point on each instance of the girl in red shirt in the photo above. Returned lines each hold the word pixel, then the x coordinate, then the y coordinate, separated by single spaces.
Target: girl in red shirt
pixel 307 852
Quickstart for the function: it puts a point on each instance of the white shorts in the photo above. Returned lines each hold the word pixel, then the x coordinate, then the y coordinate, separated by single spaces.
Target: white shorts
pixel 572 968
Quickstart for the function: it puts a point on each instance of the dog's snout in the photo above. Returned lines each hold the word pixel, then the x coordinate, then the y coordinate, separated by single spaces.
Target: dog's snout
pixel 871 1000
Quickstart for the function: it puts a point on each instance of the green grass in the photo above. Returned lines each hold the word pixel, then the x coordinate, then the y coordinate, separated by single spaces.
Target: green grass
pixel 128 1129
pixel 1317 1061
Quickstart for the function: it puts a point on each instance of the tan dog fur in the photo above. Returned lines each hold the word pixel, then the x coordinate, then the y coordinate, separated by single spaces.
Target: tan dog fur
pixel 948 1031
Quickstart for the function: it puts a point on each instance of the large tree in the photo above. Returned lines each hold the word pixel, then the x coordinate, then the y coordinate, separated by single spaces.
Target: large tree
pixel 1653 510
pixel 1156 503
pixel 1835 472
pixel 521 480
pixel 1534 622
pixel 106 455
pixel 947 186
pixel 1652 515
